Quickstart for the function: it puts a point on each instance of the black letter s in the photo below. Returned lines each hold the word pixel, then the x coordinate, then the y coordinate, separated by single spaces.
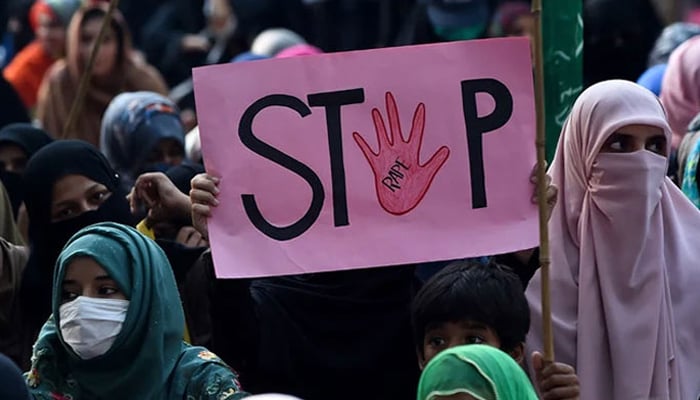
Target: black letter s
pixel 248 139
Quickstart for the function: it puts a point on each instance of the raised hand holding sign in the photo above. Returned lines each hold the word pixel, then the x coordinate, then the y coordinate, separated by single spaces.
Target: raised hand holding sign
pixel 401 181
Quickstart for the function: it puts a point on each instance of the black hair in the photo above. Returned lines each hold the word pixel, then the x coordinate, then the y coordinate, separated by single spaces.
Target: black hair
pixel 468 290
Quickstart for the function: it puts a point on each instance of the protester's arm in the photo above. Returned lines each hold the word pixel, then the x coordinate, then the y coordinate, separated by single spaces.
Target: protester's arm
pixel 162 198
pixel 555 381
pixel 235 328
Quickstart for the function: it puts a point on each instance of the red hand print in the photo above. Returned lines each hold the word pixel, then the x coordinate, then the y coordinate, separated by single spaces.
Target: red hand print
pixel 401 181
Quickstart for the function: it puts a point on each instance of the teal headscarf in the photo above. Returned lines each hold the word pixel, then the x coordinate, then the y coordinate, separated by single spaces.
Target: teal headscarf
pixel 484 372
pixel 148 359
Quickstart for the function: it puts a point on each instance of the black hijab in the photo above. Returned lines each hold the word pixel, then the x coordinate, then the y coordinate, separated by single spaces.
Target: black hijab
pixel 30 140
pixel 618 36
pixel 46 239
pixel 12 109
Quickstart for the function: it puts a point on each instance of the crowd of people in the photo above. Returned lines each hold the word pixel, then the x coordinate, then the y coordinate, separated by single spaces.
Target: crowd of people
pixel 107 283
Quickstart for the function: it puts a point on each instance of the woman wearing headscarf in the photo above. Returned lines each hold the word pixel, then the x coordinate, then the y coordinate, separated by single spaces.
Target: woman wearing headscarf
pixel 274 40
pixel 142 132
pixel 117 325
pixel 18 142
pixel 68 185
pixel 49 20
pixel 624 245
pixel 680 90
pixel 670 38
pixel 474 371
pixel 116 70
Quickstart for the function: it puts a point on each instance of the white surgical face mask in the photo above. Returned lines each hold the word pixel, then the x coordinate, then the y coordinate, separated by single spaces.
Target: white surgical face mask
pixel 90 326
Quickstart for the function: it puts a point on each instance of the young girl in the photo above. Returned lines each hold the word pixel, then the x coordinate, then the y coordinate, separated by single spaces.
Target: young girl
pixel 474 372
pixel 117 326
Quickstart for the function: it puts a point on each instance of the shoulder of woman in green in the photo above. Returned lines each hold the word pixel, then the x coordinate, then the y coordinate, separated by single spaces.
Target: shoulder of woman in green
pixel 211 377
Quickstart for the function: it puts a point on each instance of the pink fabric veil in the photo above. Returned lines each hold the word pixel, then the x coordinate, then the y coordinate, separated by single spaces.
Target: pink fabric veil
pixel 680 90
pixel 625 272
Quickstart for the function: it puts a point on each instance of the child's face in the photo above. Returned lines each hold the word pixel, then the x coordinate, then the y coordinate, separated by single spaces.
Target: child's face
pixel 450 334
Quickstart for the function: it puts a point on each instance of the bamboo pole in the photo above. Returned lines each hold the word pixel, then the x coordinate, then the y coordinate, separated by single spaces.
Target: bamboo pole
pixel 79 101
pixel 541 184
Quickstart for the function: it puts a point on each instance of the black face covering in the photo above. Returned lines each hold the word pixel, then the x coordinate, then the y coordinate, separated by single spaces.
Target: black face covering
pixel 47 238
pixel 55 235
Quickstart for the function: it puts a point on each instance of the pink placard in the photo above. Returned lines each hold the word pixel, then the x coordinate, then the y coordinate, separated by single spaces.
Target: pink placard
pixel 315 175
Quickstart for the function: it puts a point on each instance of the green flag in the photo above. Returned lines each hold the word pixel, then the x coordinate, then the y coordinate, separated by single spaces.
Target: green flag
pixel 562 41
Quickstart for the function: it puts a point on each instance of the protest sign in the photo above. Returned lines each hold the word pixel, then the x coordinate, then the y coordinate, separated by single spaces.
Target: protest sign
pixel 370 158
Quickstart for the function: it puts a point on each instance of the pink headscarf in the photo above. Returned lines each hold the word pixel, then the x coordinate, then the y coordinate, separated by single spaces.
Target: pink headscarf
pixel 680 90
pixel 625 272
pixel 299 50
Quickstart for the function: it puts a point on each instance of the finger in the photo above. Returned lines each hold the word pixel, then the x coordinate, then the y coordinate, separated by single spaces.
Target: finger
pixel 366 150
pixel 183 234
pixel 564 392
pixel 418 126
pixel 436 161
pixel 201 210
pixel 206 182
pixel 194 239
pixel 382 137
pixel 552 382
pixel 143 192
pixel 393 112
pixel 533 173
pixel 558 369
pixel 537 364
pixel 552 193
pixel 154 216
pixel 203 197
pixel 131 198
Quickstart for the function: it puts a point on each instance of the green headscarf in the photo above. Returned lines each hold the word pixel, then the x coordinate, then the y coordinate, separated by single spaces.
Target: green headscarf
pixel 148 359
pixel 484 372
